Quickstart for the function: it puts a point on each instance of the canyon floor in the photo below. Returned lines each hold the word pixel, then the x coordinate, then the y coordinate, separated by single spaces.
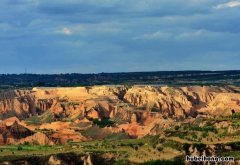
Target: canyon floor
pixel 118 124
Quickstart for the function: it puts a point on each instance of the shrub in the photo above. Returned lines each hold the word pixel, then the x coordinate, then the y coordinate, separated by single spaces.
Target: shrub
pixel 19 148
pixel 141 144
pixel 136 147
pixel 204 134
pixel 181 136
pixel 236 115
pixel 103 123
pixel 160 149
pixel 26 143
pixel 210 129
pixel 154 146
pixel 194 136
pixel 186 147
pixel 177 127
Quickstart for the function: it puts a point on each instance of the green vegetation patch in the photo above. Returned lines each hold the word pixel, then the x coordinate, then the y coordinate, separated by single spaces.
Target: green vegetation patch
pixel 236 115
pixel 204 128
pixel 26 147
pixel 173 144
pixel 46 117
pixel 177 161
pixel 103 123
pixel 235 154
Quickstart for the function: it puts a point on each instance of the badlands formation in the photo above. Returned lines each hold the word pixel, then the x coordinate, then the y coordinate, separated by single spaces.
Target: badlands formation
pixel 59 115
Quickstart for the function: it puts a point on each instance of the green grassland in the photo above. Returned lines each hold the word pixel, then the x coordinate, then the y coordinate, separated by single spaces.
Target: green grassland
pixel 135 150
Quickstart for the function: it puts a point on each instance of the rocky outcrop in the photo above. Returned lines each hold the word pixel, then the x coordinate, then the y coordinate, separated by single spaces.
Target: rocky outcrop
pixel 87 160
pixel 53 161
pixel 137 110
pixel 12 131
pixel 104 102
pixel 65 158
pixel 36 139
pixel 65 135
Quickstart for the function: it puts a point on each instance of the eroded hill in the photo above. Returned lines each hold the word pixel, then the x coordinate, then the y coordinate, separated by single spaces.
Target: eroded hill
pixel 48 116
pixel 135 110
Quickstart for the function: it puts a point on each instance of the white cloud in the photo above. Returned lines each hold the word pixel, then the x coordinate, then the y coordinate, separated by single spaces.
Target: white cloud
pixel 231 4
pixel 154 36
pixel 66 31
pixel 190 34
pixel 73 29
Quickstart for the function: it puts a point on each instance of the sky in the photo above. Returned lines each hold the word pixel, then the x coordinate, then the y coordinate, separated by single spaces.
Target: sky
pixel 93 36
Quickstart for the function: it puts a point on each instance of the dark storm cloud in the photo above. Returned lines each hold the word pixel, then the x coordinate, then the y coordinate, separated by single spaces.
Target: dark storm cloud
pixel 118 35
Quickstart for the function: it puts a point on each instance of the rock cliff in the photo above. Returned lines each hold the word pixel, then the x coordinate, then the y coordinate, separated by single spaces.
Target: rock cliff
pixel 136 111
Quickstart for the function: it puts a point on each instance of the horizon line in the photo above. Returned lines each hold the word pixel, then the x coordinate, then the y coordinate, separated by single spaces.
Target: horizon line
pixel 119 72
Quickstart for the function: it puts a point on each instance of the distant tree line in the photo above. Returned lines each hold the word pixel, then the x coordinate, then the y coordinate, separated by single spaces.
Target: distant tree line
pixel 161 78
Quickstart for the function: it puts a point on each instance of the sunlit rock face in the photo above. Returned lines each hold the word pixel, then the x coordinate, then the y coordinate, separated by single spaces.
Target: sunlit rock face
pixel 136 111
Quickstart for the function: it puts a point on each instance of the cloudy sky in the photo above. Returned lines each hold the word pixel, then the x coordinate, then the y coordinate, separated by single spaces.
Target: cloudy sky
pixel 92 36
